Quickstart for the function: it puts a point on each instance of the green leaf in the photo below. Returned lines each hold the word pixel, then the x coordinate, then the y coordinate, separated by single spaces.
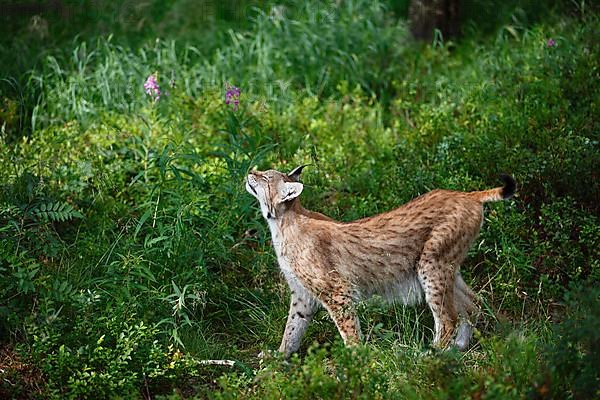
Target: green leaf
pixel 140 223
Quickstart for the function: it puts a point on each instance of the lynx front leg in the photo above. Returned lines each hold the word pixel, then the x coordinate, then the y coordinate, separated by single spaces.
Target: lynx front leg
pixel 302 308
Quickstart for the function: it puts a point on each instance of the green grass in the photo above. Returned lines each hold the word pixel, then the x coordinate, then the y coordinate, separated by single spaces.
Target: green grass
pixel 131 251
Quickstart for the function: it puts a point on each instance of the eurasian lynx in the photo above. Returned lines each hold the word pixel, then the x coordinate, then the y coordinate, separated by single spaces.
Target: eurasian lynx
pixel 406 254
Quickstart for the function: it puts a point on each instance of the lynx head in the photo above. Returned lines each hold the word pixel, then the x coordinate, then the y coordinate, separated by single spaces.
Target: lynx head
pixel 274 190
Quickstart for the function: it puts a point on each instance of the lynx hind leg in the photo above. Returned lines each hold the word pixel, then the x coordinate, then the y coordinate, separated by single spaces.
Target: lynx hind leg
pixel 465 303
pixel 439 295
pixel 302 308
pixel 436 271
pixel 341 309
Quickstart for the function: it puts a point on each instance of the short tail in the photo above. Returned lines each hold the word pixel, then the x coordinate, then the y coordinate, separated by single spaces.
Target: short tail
pixel 501 193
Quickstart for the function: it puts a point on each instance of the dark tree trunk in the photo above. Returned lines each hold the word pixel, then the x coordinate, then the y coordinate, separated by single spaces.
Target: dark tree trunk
pixel 425 16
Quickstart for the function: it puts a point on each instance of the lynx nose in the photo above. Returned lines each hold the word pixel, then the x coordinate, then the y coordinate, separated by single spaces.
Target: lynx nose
pixel 252 175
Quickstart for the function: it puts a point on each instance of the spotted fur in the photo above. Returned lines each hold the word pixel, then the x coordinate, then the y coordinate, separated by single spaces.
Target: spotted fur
pixel 406 254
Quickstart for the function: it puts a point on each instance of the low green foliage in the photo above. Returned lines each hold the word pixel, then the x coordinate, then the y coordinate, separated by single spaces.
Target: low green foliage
pixel 131 251
pixel 499 368
pixel 104 357
pixel 574 357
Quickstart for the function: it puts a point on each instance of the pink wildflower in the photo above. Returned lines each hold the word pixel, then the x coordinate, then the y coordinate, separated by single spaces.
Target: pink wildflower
pixel 232 95
pixel 152 88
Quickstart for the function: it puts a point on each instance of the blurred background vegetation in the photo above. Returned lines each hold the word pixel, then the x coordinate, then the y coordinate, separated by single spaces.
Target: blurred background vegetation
pixel 130 253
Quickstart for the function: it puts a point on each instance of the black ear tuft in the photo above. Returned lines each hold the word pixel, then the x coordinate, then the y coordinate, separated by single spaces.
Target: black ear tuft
pixel 510 186
pixel 295 174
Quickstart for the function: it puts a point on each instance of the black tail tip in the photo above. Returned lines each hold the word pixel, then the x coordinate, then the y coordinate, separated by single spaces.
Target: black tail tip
pixel 510 186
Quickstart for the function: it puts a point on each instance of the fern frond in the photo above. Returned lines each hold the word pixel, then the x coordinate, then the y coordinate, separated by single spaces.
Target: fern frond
pixel 57 211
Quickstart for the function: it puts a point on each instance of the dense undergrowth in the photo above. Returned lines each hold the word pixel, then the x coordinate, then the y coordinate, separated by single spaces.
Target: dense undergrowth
pixel 130 251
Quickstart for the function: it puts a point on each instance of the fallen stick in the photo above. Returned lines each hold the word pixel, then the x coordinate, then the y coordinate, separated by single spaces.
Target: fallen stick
pixel 228 363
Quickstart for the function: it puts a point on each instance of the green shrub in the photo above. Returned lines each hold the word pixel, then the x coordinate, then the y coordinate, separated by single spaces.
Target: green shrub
pixel 574 356
pixel 105 357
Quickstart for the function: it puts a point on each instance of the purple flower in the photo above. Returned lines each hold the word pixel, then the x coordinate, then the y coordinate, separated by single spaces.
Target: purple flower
pixel 152 88
pixel 232 95
pixel 551 42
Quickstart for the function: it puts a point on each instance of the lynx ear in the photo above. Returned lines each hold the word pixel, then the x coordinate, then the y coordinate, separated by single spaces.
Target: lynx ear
pixel 290 191
pixel 295 174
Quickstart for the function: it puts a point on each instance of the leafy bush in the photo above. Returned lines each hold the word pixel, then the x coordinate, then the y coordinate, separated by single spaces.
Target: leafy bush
pixel 573 356
pixel 100 358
